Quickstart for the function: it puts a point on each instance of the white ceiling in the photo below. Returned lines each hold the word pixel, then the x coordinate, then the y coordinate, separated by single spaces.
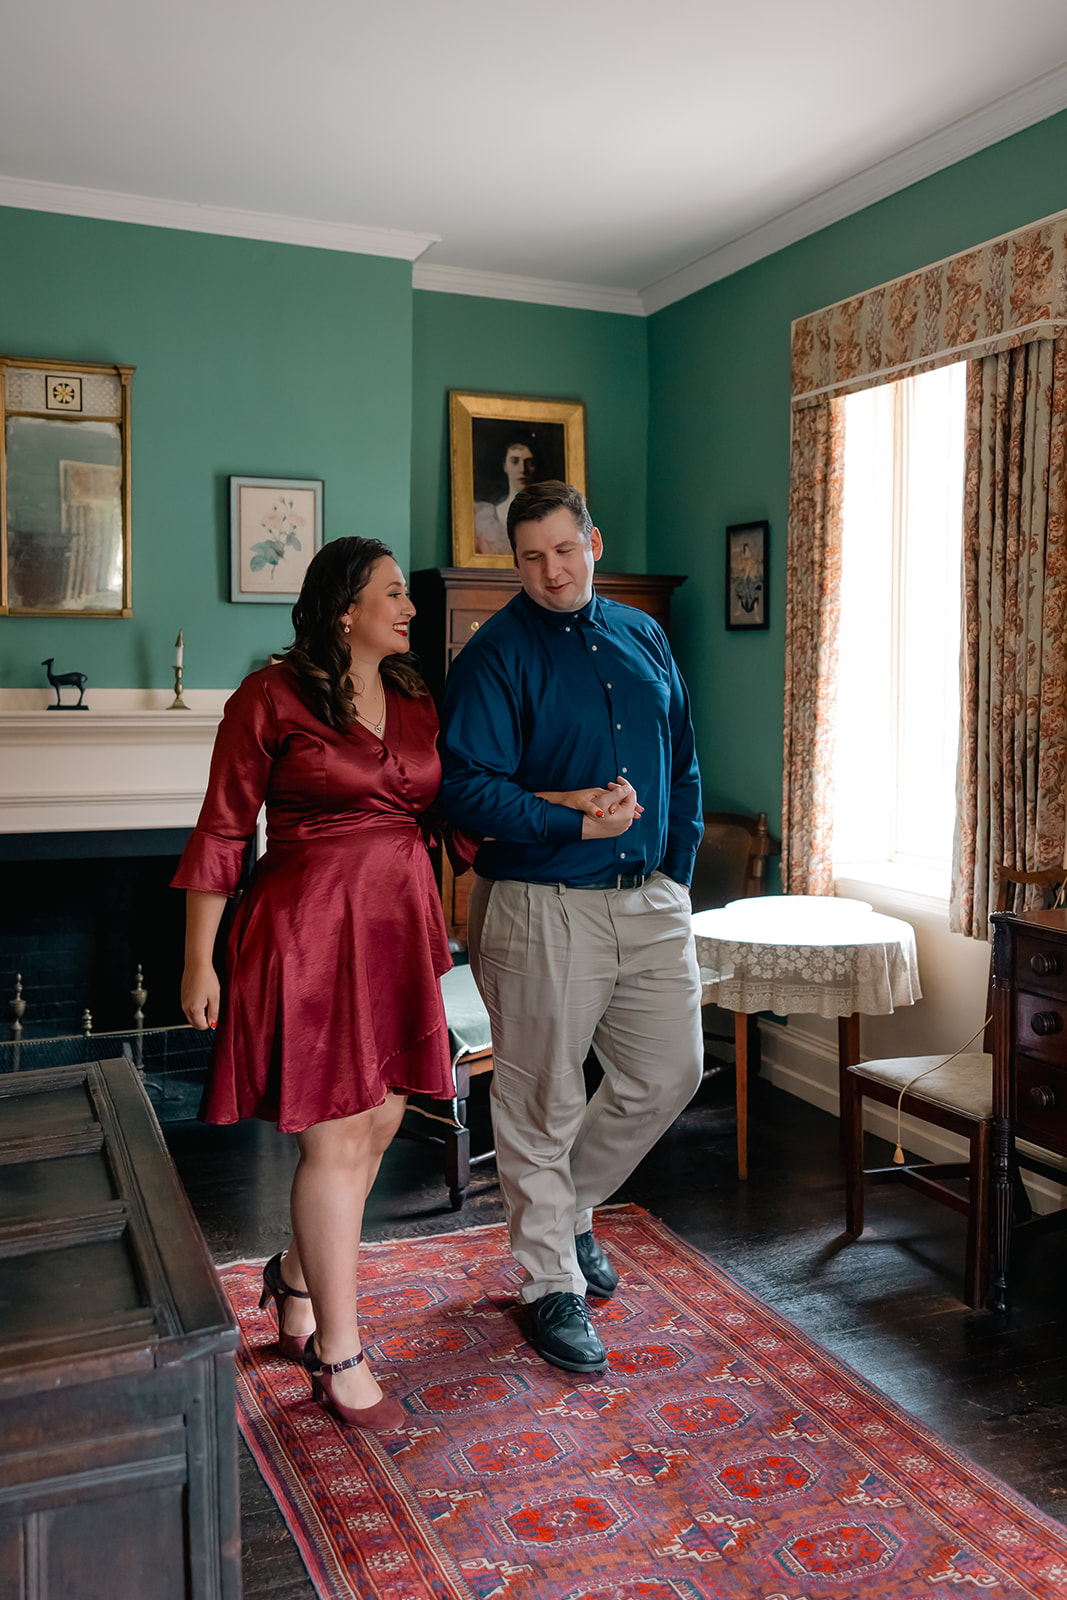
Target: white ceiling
pixel 605 143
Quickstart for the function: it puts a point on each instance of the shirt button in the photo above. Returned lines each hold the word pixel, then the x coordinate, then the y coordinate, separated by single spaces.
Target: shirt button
pixel 624 769
pixel 607 686
pixel 566 630
pixel 618 725
pixel 622 856
pixel 592 647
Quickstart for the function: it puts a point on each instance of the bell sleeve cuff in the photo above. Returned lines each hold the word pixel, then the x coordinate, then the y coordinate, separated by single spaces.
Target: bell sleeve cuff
pixel 210 864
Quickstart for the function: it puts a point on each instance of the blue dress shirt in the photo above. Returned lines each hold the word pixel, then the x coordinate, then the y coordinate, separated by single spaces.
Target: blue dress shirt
pixel 544 699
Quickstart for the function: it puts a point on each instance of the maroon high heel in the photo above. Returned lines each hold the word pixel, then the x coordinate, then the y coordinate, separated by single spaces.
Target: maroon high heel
pixel 275 1288
pixel 383 1417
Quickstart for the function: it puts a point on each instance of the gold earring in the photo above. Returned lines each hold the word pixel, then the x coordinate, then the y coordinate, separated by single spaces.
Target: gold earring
pixel 348 628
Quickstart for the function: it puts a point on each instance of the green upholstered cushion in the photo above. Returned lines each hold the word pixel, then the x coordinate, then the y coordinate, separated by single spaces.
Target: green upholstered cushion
pixel 468 1020
pixel 964 1084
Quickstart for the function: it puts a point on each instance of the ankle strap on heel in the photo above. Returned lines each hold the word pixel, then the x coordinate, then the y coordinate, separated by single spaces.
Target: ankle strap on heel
pixel 317 1367
pixel 340 1366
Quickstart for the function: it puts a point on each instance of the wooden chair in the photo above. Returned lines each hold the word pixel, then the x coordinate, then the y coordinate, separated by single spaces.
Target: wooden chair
pixel 731 861
pixel 731 864
pixel 472 1054
pixel 956 1096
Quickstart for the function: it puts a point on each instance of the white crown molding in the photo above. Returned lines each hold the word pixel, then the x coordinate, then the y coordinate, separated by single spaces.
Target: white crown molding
pixel 1011 113
pixel 234 223
pixel 535 291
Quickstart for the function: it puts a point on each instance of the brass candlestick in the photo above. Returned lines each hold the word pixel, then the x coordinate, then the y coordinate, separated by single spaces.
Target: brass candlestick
pixel 178 704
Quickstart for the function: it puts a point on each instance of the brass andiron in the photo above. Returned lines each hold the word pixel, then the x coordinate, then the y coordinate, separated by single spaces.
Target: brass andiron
pixel 17 1008
pixel 178 704
pixel 138 994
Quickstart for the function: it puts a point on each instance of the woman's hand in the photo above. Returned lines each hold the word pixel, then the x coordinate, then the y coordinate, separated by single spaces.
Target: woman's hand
pixel 200 984
pixel 200 996
pixel 620 811
pixel 594 803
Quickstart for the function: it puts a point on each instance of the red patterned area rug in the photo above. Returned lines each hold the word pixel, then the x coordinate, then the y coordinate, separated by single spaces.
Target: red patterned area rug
pixel 725 1456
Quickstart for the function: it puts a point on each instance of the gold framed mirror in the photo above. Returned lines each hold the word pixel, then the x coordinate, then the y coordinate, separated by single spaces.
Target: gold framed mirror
pixel 64 488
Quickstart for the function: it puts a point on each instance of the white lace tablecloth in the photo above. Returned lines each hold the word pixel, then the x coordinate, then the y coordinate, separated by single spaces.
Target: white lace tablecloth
pixel 793 953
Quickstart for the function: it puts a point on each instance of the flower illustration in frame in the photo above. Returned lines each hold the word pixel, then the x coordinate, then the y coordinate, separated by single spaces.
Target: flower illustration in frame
pixel 275 529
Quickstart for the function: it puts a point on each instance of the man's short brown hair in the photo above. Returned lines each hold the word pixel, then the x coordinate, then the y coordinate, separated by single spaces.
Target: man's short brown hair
pixel 541 499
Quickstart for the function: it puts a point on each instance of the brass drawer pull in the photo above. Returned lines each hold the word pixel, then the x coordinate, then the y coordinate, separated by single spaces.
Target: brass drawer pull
pixel 1044 964
pixel 1043 1096
pixel 474 629
pixel 1046 1022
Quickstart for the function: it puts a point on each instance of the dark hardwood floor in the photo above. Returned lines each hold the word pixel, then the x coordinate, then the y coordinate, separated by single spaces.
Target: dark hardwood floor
pixel 888 1304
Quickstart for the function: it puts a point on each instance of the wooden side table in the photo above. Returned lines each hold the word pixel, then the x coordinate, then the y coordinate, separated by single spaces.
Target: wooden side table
pixel 803 953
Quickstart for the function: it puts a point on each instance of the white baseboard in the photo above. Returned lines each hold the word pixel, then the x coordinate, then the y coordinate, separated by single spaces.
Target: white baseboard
pixel 804 1064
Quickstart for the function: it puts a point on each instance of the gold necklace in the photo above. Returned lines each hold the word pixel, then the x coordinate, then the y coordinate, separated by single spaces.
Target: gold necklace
pixel 375 727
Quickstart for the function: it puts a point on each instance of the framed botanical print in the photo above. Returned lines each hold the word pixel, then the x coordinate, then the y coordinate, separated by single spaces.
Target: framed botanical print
pixel 501 444
pixel 275 529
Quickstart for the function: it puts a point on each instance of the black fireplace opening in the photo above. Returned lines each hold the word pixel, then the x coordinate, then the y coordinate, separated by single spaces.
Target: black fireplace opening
pixel 79 913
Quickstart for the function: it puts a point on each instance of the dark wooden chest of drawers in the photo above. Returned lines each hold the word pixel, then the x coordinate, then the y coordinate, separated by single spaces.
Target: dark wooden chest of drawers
pixel 1029 1057
pixel 118 1447
pixel 453 602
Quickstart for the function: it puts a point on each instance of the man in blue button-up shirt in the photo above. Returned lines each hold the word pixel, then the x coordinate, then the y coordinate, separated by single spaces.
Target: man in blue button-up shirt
pixel 567 741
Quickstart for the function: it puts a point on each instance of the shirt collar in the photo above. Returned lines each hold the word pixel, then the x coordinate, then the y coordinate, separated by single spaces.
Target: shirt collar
pixel 592 613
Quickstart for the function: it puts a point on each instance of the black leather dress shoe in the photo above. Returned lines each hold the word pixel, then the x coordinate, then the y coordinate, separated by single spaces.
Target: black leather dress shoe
pixel 597 1270
pixel 561 1332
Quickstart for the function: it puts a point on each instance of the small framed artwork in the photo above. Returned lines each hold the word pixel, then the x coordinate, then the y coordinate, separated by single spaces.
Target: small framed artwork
pixel 501 444
pixel 275 529
pixel 747 574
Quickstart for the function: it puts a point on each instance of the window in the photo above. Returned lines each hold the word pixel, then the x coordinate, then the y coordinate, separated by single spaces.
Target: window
pixel 898 710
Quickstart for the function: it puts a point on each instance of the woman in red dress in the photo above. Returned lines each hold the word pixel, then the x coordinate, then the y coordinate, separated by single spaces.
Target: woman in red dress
pixel 330 1010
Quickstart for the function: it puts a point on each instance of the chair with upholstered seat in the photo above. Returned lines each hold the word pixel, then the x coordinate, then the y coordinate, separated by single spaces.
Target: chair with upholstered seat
pixel 955 1094
pixel 471 1044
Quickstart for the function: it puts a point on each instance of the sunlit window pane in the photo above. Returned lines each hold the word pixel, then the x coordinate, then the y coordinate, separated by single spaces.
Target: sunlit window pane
pixel 898 665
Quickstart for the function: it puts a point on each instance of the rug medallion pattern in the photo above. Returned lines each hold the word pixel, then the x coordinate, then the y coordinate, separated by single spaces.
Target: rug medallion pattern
pixel 724 1456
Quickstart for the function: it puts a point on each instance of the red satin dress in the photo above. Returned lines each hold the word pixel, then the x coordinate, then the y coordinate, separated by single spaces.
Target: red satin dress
pixel 331 995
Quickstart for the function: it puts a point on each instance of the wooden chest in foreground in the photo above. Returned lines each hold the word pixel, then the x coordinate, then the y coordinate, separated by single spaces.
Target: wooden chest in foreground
pixel 118 1474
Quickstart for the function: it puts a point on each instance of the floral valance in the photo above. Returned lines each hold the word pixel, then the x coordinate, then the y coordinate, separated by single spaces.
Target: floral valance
pixel 1001 294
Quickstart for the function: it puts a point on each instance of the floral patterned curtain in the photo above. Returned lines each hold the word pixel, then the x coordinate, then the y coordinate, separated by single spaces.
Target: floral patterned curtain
pixel 1013 742
pixel 812 613
pixel 1008 292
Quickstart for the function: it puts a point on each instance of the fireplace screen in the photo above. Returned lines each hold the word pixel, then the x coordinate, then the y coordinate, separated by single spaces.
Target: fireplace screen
pixel 65 470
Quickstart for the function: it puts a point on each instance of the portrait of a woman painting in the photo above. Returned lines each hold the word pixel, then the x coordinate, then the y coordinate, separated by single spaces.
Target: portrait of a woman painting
pixel 501 444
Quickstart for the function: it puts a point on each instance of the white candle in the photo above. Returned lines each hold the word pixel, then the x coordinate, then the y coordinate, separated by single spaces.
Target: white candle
pixel 179 650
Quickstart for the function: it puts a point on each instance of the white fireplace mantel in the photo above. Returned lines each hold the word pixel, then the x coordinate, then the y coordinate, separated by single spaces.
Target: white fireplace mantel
pixel 124 763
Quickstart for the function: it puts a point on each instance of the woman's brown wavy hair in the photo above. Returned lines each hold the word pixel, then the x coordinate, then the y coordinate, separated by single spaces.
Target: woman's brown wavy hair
pixel 318 656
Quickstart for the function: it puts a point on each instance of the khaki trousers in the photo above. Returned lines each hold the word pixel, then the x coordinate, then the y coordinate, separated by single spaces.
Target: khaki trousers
pixel 559 970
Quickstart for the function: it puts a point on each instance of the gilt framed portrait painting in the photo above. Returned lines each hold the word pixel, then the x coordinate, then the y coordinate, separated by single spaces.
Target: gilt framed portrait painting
pixel 501 444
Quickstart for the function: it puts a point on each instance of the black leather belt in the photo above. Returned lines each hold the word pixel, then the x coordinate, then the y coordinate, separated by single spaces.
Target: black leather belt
pixel 621 880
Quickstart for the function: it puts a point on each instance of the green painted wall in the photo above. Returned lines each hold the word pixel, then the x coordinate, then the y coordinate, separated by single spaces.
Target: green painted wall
pixel 252 358
pixel 547 352
pixel 719 425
